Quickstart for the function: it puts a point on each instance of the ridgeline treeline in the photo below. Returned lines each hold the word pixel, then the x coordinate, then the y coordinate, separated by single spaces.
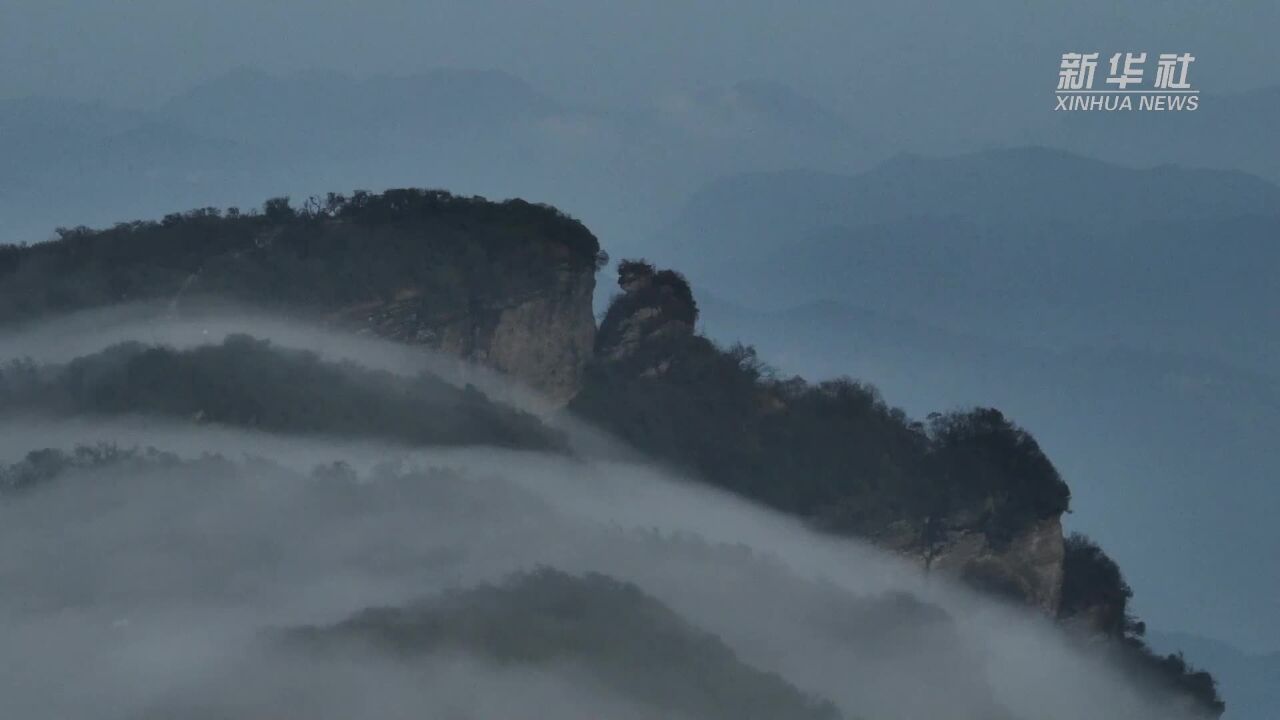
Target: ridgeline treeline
pixel 332 251
pixel 249 383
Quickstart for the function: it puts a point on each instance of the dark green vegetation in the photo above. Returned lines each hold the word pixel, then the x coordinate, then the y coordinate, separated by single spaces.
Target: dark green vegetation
pixel 833 452
pixel 1092 584
pixel 334 251
pixel 1094 590
pixel 618 635
pixel 41 467
pixel 1248 680
pixel 244 382
pixel 836 454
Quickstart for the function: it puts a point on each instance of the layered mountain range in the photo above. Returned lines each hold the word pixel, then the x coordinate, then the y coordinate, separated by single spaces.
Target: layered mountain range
pixel 965 495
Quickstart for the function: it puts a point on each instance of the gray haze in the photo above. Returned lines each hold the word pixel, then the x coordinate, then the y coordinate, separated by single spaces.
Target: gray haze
pixel 152 588
pixel 621 112
pixel 856 55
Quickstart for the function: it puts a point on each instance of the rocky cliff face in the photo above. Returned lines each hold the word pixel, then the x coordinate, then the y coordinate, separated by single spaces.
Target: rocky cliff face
pixel 1026 568
pixel 656 305
pixel 543 338
pixel 647 347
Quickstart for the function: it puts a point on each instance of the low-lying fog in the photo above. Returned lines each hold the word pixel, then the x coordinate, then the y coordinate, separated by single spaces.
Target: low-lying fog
pixel 172 583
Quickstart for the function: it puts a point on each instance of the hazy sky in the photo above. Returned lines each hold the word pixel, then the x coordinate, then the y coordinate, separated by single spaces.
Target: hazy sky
pixel 848 52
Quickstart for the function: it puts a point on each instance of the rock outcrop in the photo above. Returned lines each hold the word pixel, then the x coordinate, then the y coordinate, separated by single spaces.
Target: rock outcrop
pixel 544 337
pixel 1026 568
pixel 930 498
pixel 654 305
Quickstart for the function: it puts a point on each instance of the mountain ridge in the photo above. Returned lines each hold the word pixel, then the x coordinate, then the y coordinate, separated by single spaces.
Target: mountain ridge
pixel 969 494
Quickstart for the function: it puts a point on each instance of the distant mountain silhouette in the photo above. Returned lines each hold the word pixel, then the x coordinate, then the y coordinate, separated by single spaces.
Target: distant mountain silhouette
pixel 1031 184
pixel 249 134
pixel 1235 130
pixel 1030 245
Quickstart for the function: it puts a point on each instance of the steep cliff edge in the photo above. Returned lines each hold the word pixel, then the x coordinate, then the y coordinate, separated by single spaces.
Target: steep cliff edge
pixel 969 494
pixel 507 285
